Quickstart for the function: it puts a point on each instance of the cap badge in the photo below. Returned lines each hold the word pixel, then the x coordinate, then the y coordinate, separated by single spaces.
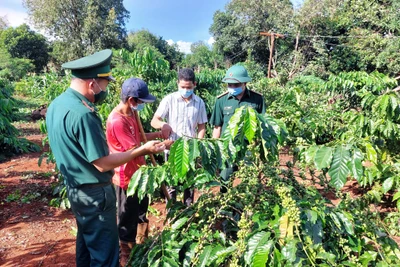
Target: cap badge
pixel 230 74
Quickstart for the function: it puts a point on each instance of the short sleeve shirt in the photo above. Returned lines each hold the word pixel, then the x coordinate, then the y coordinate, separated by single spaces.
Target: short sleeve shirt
pixel 182 116
pixel 77 139
pixel 226 105
pixel 123 134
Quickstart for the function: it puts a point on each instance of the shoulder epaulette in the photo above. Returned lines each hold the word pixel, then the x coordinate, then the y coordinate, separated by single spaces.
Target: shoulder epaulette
pixel 89 107
pixel 221 95
pixel 256 92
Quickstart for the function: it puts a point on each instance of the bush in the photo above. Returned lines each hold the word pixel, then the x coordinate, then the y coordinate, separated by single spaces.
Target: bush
pixel 9 142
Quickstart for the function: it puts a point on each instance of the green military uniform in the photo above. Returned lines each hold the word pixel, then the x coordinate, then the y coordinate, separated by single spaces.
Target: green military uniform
pixel 227 103
pixel 77 139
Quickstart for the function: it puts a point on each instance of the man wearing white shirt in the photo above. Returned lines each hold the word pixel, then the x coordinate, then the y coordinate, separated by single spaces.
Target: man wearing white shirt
pixel 181 113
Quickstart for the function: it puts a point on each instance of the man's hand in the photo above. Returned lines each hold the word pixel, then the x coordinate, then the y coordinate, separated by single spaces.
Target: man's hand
pixel 166 131
pixel 153 147
pixel 168 143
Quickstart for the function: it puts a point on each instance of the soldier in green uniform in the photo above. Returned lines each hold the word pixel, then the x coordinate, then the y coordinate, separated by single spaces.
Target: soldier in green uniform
pixel 79 145
pixel 238 95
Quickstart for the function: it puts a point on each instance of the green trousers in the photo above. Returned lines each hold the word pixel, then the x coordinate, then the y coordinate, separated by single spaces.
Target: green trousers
pixel 95 211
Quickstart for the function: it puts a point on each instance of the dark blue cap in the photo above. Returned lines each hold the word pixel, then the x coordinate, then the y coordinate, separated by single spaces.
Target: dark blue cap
pixel 136 87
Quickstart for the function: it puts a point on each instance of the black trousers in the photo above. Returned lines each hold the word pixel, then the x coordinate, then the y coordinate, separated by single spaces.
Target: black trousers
pixel 130 213
pixel 188 195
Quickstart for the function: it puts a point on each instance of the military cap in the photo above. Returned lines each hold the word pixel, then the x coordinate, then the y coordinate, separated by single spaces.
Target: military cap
pixel 236 74
pixel 96 65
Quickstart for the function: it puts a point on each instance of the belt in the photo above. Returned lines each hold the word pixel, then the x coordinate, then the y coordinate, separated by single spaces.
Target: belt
pixel 93 185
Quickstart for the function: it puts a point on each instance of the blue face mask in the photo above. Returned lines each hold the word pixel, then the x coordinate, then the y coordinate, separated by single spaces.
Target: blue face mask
pixel 235 91
pixel 139 107
pixel 185 93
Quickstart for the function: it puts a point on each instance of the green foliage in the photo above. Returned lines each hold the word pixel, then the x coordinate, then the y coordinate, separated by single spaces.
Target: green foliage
pixel 236 30
pixel 15 196
pixel 14 69
pixel 46 86
pixel 194 162
pixel 10 144
pixel 209 86
pixel 202 57
pixel 392 220
pixel 310 116
pixel 352 85
pixel 366 145
pixel 343 128
pixel 145 65
pixel 76 25
pixel 22 42
pixel 350 35
pixel 269 220
pixel 321 37
pixel 142 39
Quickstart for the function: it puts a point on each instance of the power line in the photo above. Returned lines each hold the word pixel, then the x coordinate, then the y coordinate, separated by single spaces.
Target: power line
pixel 241 52
pixel 320 36
pixel 343 37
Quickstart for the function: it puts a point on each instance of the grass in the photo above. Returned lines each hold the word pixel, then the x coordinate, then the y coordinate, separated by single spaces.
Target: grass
pixel 25 107
pixel 22 116
pixel 14 196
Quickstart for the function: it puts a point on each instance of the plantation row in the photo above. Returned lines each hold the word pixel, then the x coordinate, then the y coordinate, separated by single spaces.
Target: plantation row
pixel 342 128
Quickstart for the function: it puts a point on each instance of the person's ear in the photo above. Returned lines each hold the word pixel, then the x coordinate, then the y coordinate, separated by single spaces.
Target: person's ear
pixel 90 84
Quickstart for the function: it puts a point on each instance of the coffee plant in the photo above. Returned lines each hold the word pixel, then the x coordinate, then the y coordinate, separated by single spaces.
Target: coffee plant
pixel 366 144
pixel 342 128
pixel 269 219
pixel 10 143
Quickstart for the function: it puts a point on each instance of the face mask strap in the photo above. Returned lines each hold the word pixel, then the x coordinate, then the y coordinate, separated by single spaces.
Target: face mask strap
pixel 94 80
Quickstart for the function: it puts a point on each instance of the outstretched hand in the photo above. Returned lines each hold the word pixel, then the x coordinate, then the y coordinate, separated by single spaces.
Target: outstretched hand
pixel 153 147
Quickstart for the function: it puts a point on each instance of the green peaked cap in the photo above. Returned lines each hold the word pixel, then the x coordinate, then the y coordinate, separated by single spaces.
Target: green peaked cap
pixel 236 74
pixel 96 65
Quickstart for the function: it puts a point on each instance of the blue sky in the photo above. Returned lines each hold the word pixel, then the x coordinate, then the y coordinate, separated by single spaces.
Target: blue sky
pixel 177 21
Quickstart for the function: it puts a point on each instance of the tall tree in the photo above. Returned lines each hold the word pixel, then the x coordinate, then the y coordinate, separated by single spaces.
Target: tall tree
pixel 344 35
pixel 22 42
pixel 80 26
pixel 203 56
pixel 236 30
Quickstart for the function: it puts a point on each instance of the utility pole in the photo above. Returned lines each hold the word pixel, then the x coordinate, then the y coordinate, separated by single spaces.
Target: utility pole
pixel 271 47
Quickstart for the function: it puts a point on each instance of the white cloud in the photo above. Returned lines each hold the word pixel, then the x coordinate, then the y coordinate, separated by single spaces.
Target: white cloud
pixel 14 18
pixel 183 46
pixel 210 41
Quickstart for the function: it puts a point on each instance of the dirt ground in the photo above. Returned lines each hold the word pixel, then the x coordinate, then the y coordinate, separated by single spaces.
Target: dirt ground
pixel 32 233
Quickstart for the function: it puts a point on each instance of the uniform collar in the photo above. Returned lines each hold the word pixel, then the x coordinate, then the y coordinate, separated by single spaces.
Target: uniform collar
pixel 83 99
